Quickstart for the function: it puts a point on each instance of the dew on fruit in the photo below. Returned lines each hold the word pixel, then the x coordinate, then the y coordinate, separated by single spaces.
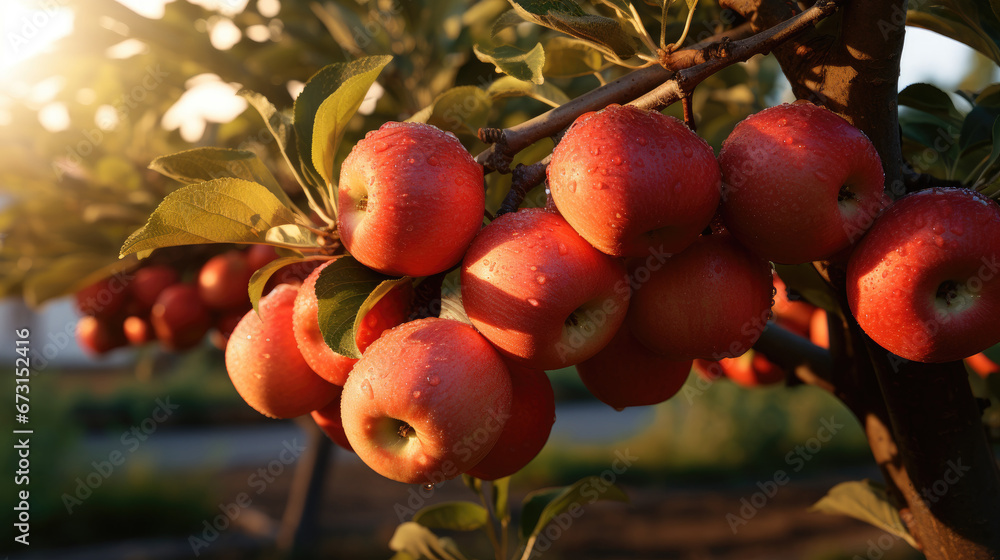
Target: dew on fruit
pixel 601 186
pixel 571 186
pixel 604 171
pixel 533 302
pixel 533 268
pixel 688 152
pixel 562 249
pixel 788 140
pixel 416 394
pixel 411 161
pixel 619 408
pixel 433 381
pixel 642 140
pixel 782 122
pixel 618 215
pixel 939 241
pixel 595 151
pixel 821 176
pixel 433 160
pixel 409 228
pixel 380 146
pixel 540 279
pixel 616 160
pixel 366 386
pixel 428 486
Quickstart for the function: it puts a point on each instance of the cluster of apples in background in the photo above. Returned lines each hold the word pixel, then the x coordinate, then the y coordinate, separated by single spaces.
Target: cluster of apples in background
pixel 174 304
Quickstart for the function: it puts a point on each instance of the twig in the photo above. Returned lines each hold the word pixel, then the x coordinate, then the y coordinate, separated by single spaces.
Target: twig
pixel 688 113
pixel 509 141
pixel 735 51
pixel 524 178
pixel 810 363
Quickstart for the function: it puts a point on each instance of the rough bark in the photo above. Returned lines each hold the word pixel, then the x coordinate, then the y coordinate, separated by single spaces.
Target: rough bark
pixel 922 422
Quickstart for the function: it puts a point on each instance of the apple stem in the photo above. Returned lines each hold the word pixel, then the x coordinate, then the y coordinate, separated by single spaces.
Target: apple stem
pixel 405 430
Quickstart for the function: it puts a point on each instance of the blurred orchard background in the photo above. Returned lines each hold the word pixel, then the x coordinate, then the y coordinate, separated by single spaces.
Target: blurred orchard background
pixel 91 91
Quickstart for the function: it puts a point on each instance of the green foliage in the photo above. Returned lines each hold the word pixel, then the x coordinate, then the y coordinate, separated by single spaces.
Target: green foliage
pixel 973 22
pixel 344 288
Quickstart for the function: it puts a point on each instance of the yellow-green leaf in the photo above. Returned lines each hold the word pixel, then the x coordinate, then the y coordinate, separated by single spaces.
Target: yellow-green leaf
pixel 868 502
pixel 514 62
pixel 218 211
pixel 341 290
pixel 453 516
pixel 335 112
pixel 204 164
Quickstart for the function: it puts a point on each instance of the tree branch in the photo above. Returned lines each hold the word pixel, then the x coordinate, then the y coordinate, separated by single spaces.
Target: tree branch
pixel 507 142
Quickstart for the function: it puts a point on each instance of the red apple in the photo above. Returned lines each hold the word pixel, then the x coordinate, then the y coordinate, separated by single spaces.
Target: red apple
pixel 179 318
pixel 223 281
pixel 391 310
pixel 265 365
pixel 532 413
pixel 103 299
pixel 411 198
pixel 148 282
pixel 99 336
pixel 626 373
pixel 328 420
pixel 539 292
pixel 924 282
pixel 800 183
pixel 427 401
pixel 631 181
pixel 138 330
pixel 711 301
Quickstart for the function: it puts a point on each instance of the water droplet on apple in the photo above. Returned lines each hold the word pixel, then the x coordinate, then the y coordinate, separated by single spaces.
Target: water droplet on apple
pixel 533 302
pixel 688 152
pixel 540 279
pixel 821 176
pixel 619 408
pixel 562 249
pixel 782 122
pixel 788 140
pixel 411 161
pixel 416 394
pixel 718 269
pixel 409 228
pixel 595 151
pixel 642 140
pixel 939 241
pixel 885 273
pixel 366 386
pixel 600 186
pixel 380 146
pixel 618 215
pixel 604 171
pixel 428 486
pixel 433 160
pixel 616 160
pixel 533 268
pixel 433 381
pixel 937 228
pixel 571 186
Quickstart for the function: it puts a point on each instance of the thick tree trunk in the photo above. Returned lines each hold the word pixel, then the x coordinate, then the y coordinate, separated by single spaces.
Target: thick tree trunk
pixel 922 422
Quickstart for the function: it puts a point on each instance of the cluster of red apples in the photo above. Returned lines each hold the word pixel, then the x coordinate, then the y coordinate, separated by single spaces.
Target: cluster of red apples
pixel 654 254
pixel 154 303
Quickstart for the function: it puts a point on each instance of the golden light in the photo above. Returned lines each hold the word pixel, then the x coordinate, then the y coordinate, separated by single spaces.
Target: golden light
pixel 29 27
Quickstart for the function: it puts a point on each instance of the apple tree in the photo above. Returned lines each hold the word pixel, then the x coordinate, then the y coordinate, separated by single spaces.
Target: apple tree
pixel 560 66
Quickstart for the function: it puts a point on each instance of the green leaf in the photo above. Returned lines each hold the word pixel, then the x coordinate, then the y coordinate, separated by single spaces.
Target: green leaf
pixel 567 58
pixel 418 541
pixel 542 506
pixel 462 110
pixel 373 298
pixel 978 125
pixel 501 497
pixel 619 5
pixel 514 62
pixel 280 126
pixel 567 17
pixel 930 99
pixel 204 164
pixel 217 211
pixel 868 502
pixel 335 112
pixel 512 87
pixel 341 290
pixel 510 18
pixel 966 21
pixel 322 85
pixel 259 279
pixel 453 516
